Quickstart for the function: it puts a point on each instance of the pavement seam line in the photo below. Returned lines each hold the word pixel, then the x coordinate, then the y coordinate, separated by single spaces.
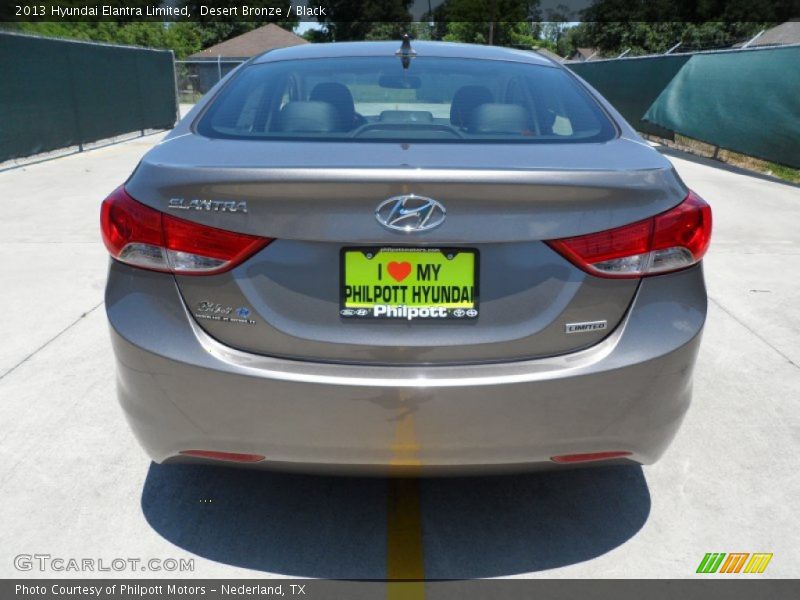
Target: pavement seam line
pixel 755 333
pixel 51 340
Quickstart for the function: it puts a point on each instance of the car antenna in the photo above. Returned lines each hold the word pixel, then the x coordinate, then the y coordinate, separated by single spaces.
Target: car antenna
pixel 406 53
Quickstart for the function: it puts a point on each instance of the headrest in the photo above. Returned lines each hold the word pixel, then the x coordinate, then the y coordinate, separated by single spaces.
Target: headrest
pixel 465 100
pixel 499 118
pixel 309 117
pixel 339 96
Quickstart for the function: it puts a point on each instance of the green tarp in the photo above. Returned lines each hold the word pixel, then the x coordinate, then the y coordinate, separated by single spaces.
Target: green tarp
pixel 632 84
pixel 57 93
pixel 747 101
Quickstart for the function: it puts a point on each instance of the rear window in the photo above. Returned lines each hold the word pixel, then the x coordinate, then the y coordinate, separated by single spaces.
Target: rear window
pixel 376 99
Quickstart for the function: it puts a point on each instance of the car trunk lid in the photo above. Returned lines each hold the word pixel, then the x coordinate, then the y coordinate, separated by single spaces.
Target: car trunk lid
pixel 315 199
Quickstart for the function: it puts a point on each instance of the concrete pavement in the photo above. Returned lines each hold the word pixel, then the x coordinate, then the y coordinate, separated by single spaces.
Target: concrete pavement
pixel 74 483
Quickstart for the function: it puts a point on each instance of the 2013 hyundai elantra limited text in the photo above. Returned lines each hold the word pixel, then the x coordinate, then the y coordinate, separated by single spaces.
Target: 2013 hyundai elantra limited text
pixel 416 258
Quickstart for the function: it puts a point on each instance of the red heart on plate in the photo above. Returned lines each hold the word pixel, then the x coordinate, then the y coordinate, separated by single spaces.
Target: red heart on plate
pixel 399 270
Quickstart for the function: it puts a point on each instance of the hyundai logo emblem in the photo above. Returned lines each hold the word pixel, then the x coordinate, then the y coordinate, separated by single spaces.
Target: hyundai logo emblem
pixel 410 213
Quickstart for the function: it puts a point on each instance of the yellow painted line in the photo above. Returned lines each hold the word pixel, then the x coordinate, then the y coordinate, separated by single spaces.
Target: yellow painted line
pixel 404 557
pixel 405 448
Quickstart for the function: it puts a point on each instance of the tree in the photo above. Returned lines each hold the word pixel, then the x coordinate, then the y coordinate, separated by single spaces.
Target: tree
pixel 557 22
pixel 496 22
pixel 655 38
pixel 571 39
pixel 614 26
pixel 394 31
pixel 316 36
pixel 516 34
pixel 182 37
pixel 365 19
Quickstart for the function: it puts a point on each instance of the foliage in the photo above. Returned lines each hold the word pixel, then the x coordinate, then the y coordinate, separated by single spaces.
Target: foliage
pixel 182 37
pixel 316 36
pixel 497 22
pixel 687 11
pixel 364 19
pixel 612 26
pixel 390 31
pixel 654 26
pixel 510 11
pixel 655 38
pixel 517 34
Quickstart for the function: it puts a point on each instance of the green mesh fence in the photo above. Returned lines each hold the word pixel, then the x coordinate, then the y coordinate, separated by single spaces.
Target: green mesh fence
pixel 56 93
pixel 747 101
pixel 631 85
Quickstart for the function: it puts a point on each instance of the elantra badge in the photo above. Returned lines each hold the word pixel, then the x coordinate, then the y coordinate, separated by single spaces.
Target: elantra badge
pixel 410 213
pixel 208 205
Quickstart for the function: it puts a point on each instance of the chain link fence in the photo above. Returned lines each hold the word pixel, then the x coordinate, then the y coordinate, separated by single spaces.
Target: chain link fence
pixel 195 77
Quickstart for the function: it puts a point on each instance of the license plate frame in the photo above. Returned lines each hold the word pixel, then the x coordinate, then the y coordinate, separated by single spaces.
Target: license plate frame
pixel 462 305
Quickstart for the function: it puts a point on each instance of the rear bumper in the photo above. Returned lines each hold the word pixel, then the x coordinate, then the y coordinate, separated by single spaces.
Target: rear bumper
pixel 180 389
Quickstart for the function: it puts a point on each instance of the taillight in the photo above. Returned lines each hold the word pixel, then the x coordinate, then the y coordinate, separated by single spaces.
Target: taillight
pixel 144 237
pixel 228 456
pixel 589 457
pixel 673 240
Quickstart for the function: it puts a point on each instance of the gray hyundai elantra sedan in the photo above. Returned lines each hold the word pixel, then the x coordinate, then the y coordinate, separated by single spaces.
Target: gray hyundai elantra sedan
pixel 410 258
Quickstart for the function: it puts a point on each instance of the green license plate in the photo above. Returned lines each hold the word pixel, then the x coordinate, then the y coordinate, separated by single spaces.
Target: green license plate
pixel 409 283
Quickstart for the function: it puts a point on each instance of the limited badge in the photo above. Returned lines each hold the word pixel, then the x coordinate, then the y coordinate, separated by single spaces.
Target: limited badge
pixel 585 326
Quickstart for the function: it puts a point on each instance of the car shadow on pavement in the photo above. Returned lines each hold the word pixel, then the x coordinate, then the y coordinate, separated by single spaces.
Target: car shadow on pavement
pixel 335 527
